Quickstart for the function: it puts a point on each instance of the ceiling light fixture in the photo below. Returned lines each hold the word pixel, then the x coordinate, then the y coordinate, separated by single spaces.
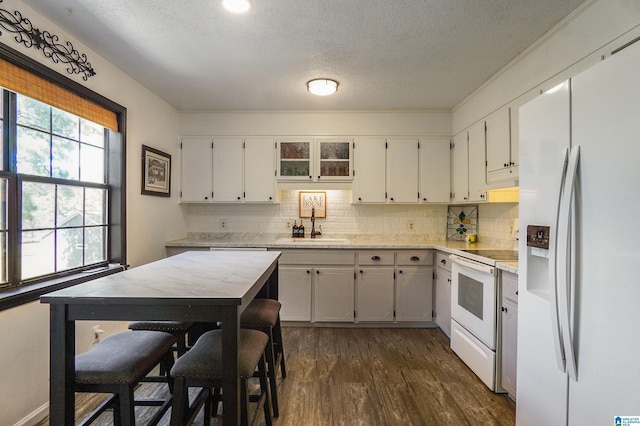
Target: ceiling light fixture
pixel 322 87
pixel 237 6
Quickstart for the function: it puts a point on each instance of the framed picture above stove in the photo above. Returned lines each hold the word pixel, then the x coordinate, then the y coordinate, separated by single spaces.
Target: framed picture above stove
pixel 461 221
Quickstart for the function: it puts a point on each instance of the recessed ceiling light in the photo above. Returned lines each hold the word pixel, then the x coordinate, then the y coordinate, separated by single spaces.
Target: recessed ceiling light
pixel 322 87
pixel 237 6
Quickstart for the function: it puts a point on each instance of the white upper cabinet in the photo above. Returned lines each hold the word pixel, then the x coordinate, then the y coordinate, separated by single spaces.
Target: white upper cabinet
pixel 460 168
pixel 334 159
pixel 228 169
pixel 402 170
pixel 502 146
pixel 308 160
pixel 477 162
pixel 435 166
pixel 259 168
pixel 294 159
pixel 196 158
pixel 369 170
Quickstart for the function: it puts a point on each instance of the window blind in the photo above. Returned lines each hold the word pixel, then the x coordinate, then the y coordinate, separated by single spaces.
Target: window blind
pixel 25 83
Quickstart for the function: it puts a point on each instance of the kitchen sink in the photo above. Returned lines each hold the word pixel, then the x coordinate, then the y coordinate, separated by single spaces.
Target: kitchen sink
pixel 320 240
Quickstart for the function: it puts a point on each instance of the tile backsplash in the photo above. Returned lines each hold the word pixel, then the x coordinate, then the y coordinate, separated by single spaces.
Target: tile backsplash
pixel 428 222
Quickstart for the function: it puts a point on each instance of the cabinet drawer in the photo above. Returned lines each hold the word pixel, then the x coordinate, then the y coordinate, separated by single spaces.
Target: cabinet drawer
pixel 317 257
pixel 375 257
pixel 442 261
pixel 510 286
pixel 415 257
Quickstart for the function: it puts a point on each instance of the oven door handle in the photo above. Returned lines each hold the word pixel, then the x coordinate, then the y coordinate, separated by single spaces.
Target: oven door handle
pixel 472 264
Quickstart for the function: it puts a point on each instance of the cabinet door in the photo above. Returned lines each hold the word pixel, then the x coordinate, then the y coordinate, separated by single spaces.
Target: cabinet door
pixel 435 162
pixel 333 294
pixel 369 170
pixel 402 171
pixel 499 140
pixel 227 169
pixel 334 159
pixel 414 293
pixel 477 163
pixel 196 169
pixel 375 294
pixel 443 300
pixel 460 168
pixel 294 159
pixel 294 293
pixel 259 170
pixel 509 346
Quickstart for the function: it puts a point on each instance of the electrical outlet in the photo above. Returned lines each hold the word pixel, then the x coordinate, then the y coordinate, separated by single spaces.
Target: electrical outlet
pixel 411 225
pixel 288 224
pixel 97 331
pixel 223 223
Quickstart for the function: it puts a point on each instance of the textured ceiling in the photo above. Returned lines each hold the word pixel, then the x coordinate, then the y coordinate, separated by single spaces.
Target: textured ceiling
pixel 386 54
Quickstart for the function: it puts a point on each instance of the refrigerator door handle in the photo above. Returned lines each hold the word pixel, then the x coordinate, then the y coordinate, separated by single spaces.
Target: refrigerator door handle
pixel 553 273
pixel 564 272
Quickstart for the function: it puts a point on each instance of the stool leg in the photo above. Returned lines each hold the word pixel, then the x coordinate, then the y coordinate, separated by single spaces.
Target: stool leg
pixel 264 387
pixel 280 345
pixel 180 393
pixel 273 373
pixel 244 403
pixel 127 407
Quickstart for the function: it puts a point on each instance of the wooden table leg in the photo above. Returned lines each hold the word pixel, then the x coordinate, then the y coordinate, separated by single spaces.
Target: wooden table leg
pixel 231 375
pixel 61 367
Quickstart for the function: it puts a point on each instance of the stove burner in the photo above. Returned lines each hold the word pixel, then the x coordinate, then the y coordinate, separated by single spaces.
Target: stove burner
pixel 505 255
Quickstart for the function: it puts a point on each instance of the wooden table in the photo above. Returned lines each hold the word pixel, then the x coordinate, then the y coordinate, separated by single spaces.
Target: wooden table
pixel 192 286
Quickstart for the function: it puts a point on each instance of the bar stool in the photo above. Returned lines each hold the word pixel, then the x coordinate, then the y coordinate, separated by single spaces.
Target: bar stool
pixel 202 367
pixel 264 315
pixel 116 365
pixel 178 328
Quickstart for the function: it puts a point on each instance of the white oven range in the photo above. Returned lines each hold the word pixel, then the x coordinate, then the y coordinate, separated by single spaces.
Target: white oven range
pixel 474 307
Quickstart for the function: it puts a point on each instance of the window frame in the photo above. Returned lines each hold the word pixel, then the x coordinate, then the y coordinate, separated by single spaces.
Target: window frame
pixel 18 293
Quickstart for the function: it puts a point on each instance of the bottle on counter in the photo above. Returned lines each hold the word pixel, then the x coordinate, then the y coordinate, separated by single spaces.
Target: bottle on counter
pixel 301 229
pixel 294 231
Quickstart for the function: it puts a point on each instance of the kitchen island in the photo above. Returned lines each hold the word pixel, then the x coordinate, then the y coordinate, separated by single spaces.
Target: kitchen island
pixel 192 286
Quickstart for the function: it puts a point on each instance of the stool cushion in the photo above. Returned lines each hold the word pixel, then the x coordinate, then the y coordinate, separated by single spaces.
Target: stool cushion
pixel 204 360
pixel 123 357
pixel 261 313
pixel 168 326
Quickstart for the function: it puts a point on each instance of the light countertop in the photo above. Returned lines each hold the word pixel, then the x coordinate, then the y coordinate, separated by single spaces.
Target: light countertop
pixel 355 242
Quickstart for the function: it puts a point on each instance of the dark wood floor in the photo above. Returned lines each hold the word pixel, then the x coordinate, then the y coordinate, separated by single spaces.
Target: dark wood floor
pixel 339 376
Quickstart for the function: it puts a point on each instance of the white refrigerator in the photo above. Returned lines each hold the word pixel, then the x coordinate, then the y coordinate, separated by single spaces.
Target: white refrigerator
pixel 579 263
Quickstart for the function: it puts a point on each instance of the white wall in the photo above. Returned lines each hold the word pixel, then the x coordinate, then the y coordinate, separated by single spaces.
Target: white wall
pixel 593 30
pixel 24 331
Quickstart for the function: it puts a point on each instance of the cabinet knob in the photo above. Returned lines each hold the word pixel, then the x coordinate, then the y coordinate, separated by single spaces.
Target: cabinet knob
pixel 414 258
pixel 271 198
pixel 376 258
pixel 206 198
pixel 238 198
pixel 391 198
pixel 308 271
pixel 361 271
pixel 449 280
pixel 506 165
pixel 424 199
pixel 317 272
pixel 318 177
pixel 503 309
pixel 516 292
pixel 310 177
pixel 359 198
pixel 443 261
pixel 400 271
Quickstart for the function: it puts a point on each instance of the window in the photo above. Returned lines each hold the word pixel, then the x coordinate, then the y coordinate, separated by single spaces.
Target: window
pixel 61 182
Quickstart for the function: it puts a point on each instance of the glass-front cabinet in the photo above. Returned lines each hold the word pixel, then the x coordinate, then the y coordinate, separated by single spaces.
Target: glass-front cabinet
pixel 301 159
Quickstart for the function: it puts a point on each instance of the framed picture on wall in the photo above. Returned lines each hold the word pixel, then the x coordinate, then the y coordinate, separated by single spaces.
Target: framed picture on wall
pixel 156 172
pixel 312 200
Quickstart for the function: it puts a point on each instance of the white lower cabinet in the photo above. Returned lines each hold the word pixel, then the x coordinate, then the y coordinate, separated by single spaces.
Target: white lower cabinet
pixel 375 286
pixel 336 286
pixel 333 294
pixel 509 333
pixel 294 293
pixel 442 311
pixel 414 286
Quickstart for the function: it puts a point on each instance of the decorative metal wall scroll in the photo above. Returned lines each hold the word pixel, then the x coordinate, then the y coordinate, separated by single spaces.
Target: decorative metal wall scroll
pixel 48 43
